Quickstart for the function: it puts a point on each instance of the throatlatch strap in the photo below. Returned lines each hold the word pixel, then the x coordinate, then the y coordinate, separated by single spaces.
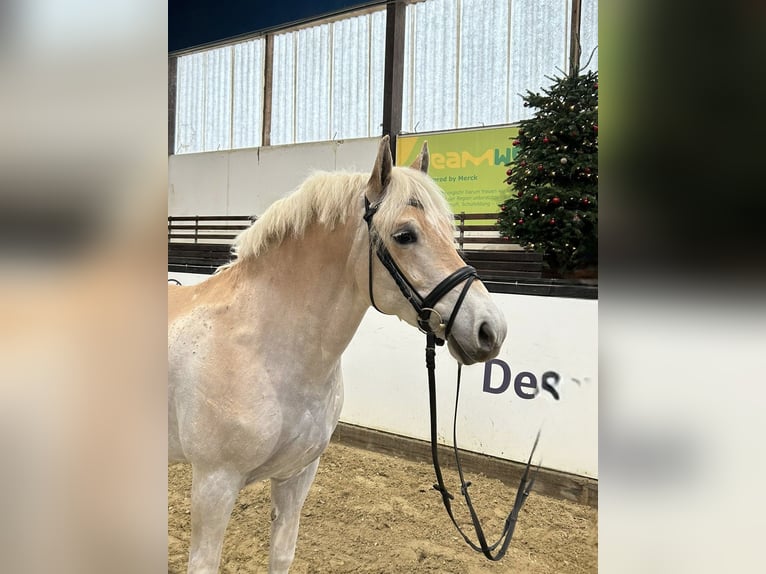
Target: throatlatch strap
pixel 525 486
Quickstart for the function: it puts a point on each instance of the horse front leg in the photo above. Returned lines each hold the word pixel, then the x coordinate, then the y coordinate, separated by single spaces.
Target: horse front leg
pixel 212 499
pixel 287 498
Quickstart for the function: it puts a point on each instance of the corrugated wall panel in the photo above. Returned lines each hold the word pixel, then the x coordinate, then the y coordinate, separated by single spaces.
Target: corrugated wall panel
pixel 589 34
pixel 283 90
pixel 539 34
pixel 483 62
pixel 466 64
pixel 328 81
pixel 350 70
pixel 312 90
pixel 247 117
pixel 218 99
pixel 430 66
pixel 190 94
pixel 377 64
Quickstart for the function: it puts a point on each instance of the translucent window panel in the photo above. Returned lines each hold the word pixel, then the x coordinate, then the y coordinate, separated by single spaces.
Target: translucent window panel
pixel 430 66
pixel 328 81
pixel 247 120
pixel 589 35
pixel 538 49
pixel 312 84
pixel 357 75
pixel 468 61
pixel 190 96
pixel 283 90
pixel 350 77
pixel 217 126
pixel 219 98
pixel 377 65
pixel 483 69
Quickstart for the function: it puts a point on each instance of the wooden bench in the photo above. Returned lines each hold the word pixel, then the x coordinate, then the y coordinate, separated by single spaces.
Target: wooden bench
pixel 201 244
pixel 500 259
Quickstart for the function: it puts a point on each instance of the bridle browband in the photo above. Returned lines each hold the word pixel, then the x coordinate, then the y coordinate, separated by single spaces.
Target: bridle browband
pixel 425 308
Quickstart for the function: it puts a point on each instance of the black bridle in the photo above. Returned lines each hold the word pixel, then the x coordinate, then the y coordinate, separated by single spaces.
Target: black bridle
pixel 425 308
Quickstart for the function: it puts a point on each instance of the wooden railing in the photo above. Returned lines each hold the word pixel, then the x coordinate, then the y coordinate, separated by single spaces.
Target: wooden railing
pixel 207 228
pixel 201 244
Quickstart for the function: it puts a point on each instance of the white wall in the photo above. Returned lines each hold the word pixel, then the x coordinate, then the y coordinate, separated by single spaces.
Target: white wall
pixel 387 388
pixel 386 384
pixel 247 181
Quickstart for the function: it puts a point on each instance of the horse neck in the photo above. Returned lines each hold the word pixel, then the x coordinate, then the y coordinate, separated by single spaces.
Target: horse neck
pixel 309 288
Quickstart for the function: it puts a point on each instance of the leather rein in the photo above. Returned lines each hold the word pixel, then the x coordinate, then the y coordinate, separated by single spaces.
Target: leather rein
pixel 424 307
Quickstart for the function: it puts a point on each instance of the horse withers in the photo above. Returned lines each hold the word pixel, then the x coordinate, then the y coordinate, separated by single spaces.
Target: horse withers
pixel 254 352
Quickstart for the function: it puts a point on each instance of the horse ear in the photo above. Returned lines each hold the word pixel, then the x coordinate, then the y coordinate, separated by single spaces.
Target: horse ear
pixel 381 171
pixel 421 162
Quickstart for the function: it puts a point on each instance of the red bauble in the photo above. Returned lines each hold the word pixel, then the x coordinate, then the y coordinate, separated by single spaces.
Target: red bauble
pixel 553 221
pixel 535 198
pixel 516 142
pixel 595 128
pixel 587 170
pixel 519 193
pixel 540 167
pixel 521 221
pixel 585 200
pixel 555 201
pixel 595 86
pixel 523 163
pixel 509 172
pixel 546 140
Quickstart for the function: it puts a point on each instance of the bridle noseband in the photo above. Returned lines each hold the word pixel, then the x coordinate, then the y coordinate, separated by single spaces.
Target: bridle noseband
pixel 424 307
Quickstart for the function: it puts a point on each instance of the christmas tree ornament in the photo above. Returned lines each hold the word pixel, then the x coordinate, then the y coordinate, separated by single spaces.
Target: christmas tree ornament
pixel 555 201
pixel 563 161
pixel 509 172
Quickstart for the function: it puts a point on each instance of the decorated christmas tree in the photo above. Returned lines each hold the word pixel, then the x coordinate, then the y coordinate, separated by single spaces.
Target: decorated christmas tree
pixel 553 203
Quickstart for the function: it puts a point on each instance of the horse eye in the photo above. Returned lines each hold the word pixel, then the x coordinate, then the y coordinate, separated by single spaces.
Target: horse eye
pixel 405 237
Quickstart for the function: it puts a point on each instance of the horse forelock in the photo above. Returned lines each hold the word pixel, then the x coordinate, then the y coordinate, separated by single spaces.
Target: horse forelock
pixel 329 198
pixel 407 187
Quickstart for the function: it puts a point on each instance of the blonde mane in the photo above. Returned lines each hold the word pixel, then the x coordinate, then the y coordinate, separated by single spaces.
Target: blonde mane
pixel 328 198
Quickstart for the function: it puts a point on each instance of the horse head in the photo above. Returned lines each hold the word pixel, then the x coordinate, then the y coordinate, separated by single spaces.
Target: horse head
pixel 418 274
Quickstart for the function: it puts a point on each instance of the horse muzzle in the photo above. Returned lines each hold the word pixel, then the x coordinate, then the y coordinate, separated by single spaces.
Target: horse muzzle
pixel 480 343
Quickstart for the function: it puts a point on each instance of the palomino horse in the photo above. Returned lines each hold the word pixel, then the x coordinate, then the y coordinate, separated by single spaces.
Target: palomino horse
pixel 254 352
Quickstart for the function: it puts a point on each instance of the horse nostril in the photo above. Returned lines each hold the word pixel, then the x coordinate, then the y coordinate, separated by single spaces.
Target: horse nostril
pixel 486 337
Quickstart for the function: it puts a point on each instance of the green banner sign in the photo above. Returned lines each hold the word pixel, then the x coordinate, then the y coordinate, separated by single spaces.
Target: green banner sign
pixel 468 165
